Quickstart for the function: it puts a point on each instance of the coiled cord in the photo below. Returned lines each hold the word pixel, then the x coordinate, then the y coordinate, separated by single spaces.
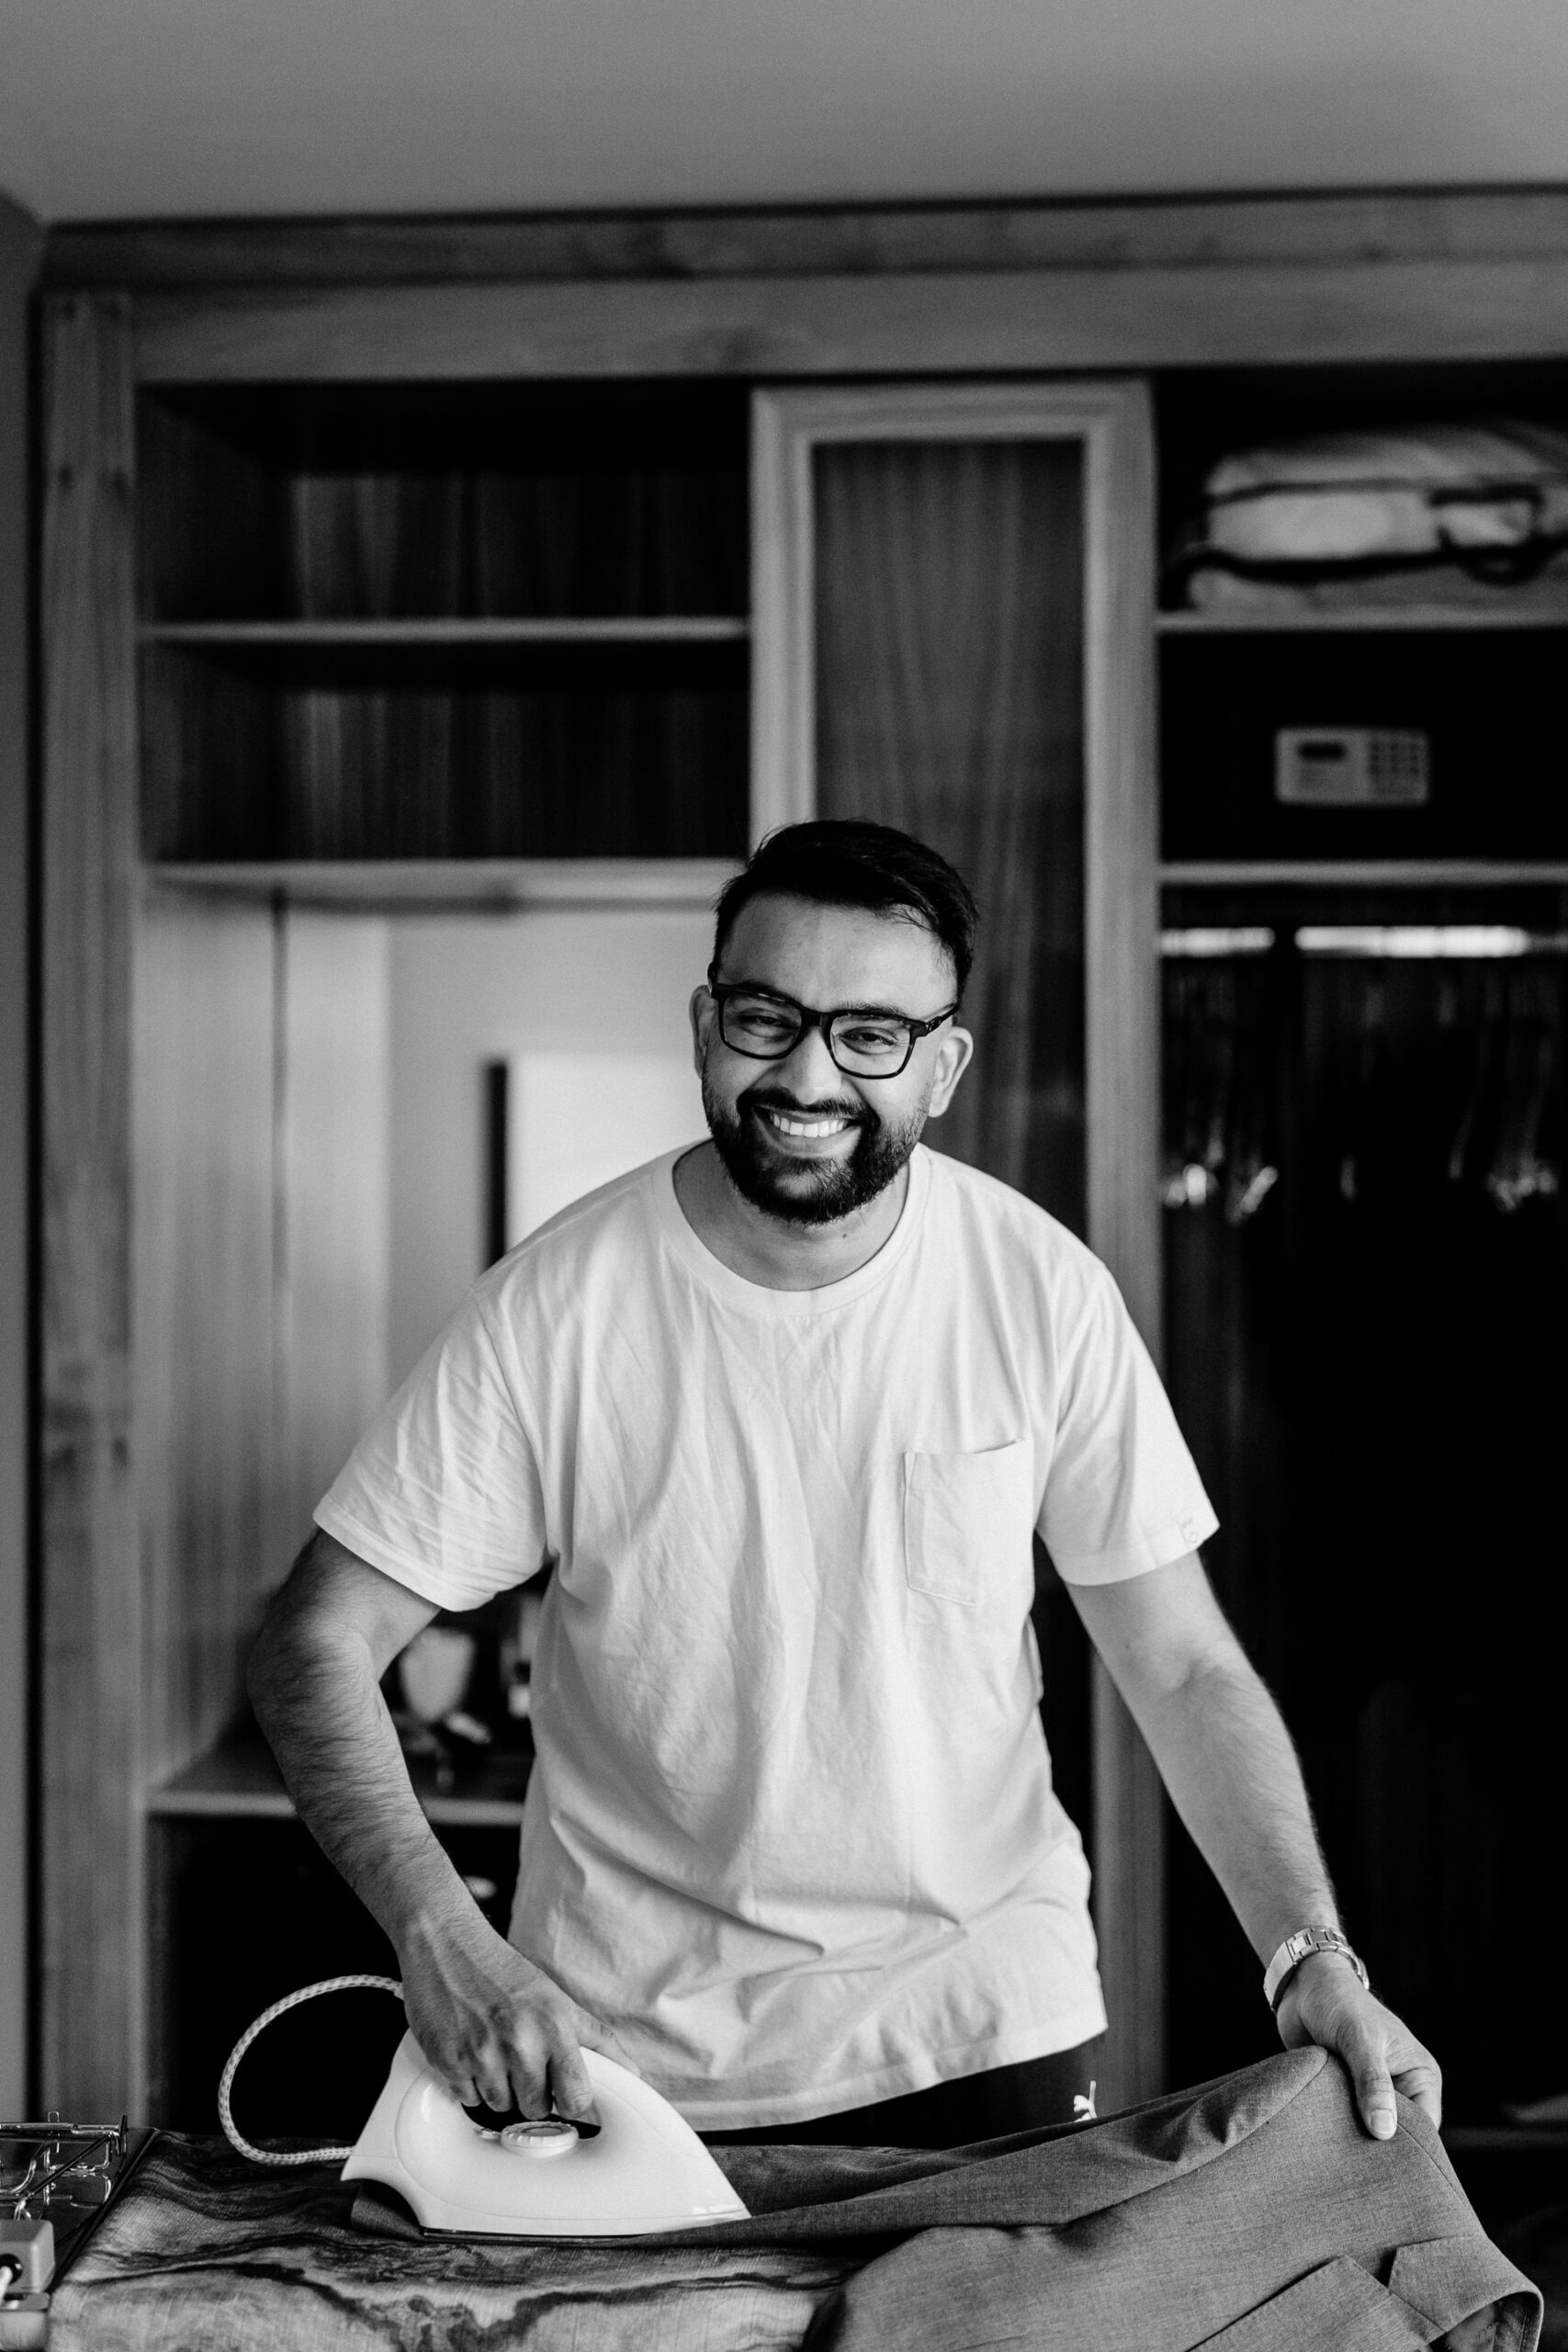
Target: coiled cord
pixel 236 2137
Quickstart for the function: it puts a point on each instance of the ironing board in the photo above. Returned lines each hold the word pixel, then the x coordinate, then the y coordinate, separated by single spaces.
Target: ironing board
pixel 1250 2215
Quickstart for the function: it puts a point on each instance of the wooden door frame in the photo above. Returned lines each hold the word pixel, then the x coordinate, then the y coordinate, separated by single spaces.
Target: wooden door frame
pixel 90 1666
pixel 1113 423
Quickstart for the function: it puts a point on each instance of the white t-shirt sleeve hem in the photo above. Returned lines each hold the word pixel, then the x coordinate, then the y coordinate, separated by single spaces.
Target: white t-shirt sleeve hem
pixel 1157 1549
pixel 441 1591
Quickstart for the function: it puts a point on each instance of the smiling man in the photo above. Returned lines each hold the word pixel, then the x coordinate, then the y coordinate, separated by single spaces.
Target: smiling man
pixel 785 1411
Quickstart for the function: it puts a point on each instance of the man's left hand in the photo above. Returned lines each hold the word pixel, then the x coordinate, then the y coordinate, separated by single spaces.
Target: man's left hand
pixel 1325 2002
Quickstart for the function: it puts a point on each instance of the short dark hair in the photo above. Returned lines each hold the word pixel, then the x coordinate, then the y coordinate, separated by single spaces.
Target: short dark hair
pixel 847 862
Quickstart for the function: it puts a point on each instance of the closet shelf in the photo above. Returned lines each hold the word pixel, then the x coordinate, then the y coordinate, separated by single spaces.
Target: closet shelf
pixel 1353 620
pixel 376 885
pixel 1398 873
pixel 706 628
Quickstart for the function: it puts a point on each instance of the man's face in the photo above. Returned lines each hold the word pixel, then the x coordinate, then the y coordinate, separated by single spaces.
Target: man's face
pixel 801 1139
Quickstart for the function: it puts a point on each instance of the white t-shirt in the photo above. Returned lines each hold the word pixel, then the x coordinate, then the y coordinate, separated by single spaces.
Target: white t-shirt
pixel 791 1829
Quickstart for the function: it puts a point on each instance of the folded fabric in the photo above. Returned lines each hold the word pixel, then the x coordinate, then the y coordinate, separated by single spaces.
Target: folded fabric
pixel 1489 494
pixel 1252 2214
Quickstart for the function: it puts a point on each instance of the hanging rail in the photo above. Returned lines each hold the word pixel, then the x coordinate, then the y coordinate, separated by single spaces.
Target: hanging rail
pixel 1406 941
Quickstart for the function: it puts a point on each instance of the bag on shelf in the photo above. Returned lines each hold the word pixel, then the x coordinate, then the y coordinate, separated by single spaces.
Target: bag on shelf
pixel 1438 513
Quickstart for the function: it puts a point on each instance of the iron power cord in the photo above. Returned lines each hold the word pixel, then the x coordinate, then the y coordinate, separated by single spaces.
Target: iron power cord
pixel 231 2133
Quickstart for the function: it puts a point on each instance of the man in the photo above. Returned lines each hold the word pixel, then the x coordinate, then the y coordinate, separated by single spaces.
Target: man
pixel 784 1410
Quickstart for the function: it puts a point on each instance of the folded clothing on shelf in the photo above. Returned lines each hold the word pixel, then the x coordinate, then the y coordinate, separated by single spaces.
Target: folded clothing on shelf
pixel 1459 513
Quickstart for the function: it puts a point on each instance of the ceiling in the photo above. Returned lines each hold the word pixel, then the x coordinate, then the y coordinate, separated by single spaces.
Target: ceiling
pixel 121 109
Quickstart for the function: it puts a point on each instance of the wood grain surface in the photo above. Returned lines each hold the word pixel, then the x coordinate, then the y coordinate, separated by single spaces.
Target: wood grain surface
pixel 330 1266
pixel 204 1236
pixel 90 2027
pixel 1227 313
pixel 1071 233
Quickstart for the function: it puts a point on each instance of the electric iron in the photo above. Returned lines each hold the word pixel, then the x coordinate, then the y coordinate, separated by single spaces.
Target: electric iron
pixel 644 2171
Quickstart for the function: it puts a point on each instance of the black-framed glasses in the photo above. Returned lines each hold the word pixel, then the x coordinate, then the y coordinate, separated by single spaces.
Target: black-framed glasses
pixel 864 1041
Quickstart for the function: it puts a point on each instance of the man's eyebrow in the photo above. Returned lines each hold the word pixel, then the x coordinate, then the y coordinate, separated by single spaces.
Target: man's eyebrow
pixel 761 988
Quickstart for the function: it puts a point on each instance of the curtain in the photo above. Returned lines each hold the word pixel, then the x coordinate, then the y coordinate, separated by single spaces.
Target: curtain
pixel 949 645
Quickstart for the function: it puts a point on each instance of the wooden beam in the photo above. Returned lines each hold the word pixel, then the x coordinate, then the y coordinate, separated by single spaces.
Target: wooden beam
pixel 1070 232
pixel 924 322
pixel 91 1659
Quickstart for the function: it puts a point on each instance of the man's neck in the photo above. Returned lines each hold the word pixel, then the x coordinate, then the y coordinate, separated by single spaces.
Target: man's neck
pixel 773 1251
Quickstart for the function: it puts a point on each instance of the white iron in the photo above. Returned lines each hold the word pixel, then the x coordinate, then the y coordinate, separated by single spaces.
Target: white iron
pixel 644 2171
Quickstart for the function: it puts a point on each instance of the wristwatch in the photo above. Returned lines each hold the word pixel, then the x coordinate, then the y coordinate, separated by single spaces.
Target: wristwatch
pixel 1300 1947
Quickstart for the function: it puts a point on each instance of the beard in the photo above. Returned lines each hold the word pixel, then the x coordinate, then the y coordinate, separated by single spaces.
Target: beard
pixel 802 1191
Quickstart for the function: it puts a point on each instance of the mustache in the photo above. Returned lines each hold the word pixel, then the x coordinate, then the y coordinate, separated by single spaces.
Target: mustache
pixel 765 1099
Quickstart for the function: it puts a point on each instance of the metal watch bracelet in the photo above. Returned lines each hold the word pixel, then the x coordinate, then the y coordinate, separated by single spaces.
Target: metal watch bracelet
pixel 1300 1947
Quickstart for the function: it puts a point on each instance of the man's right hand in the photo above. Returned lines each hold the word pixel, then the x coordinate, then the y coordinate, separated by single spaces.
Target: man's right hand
pixel 494 2026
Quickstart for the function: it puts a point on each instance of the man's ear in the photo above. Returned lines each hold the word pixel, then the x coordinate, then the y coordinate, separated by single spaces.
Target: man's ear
pixel 952 1059
pixel 701 1010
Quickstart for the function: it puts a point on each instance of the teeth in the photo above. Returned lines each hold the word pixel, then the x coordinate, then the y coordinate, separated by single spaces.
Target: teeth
pixel 788 1126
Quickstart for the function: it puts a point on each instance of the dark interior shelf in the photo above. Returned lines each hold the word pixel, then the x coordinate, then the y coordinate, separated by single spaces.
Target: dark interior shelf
pixel 1490 705
pixel 1364 874
pixel 376 748
pixel 468 501
pixel 1404 620
pixel 480 620
pixel 436 631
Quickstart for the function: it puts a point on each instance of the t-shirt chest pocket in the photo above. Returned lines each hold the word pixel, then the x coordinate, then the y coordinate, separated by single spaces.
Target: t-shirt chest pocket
pixel 968 1519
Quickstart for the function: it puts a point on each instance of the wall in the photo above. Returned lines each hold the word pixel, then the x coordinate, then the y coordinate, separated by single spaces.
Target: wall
pixel 19 246
pixel 470 988
pixel 453 106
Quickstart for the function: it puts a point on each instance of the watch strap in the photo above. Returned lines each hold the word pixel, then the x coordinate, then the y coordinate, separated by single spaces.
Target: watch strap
pixel 1300 1947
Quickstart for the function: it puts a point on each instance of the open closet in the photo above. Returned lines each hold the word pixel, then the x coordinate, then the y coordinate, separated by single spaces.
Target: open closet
pixel 426 625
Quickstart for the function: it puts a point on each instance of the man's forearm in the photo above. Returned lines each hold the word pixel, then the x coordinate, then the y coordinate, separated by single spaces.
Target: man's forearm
pixel 317 1697
pixel 1226 1758
pixel 1228 1762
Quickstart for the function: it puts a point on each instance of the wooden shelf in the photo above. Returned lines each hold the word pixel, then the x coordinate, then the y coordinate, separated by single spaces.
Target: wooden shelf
pixel 238 1781
pixel 377 885
pixel 1413 873
pixel 678 629
pixel 1355 620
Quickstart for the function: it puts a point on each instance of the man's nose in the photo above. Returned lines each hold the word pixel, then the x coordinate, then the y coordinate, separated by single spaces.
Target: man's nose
pixel 809 1069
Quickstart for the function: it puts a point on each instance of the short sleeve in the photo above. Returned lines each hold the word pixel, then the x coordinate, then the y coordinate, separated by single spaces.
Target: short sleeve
pixel 442 1491
pixel 1123 1493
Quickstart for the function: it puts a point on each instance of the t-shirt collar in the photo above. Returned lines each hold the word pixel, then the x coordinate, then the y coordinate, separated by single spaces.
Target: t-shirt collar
pixel 761 1298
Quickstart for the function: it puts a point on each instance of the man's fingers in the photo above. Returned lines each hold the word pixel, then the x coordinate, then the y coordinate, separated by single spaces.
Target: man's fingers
pixel 1374 2096
pixel 527 2066
pixel 496 2077
pixel 1423 2086
pixel 571 2084
pixel 1378 2051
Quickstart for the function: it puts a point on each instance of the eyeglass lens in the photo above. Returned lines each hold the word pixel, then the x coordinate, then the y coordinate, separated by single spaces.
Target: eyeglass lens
pixel 760 1026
